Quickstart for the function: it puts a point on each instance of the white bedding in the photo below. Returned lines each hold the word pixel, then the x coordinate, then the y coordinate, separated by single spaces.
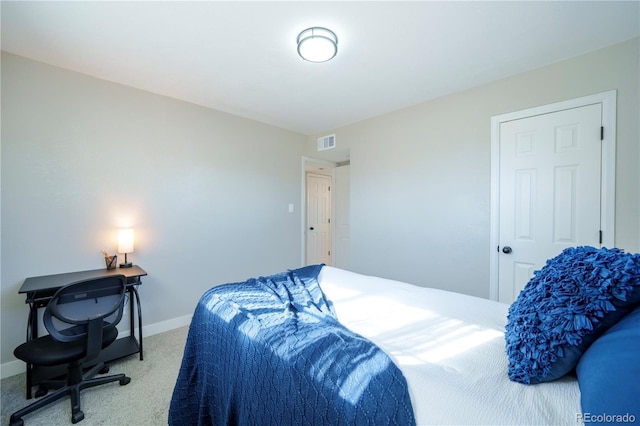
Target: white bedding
pixel 451 349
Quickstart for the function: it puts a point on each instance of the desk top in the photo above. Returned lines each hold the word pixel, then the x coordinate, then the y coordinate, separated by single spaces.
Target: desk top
pixel 48 282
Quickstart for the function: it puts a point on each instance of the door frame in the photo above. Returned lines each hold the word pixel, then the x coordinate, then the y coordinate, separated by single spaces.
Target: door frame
pixel 608 173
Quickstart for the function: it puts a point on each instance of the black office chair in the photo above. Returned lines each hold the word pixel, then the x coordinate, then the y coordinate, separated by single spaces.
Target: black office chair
pixel 81 319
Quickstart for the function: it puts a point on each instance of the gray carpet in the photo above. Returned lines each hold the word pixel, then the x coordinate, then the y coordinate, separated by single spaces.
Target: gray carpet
pixel 144 401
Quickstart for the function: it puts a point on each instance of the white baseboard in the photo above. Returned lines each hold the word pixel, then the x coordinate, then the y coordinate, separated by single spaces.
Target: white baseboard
pixel 162 326
pixel 12 368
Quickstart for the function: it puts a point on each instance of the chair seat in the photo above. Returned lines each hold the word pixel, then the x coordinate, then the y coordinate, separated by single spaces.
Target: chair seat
pixel 49 352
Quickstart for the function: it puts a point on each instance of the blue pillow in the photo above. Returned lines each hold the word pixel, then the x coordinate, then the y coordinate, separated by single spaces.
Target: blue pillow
pixel 609 374
pixel 567 304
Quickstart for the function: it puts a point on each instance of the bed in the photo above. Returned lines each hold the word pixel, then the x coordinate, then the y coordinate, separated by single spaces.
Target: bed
pixel 451 350
pixel 447 352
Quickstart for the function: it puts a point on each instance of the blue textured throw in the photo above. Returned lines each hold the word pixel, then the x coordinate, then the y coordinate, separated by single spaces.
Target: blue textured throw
pixel 270 351
pixel 565 307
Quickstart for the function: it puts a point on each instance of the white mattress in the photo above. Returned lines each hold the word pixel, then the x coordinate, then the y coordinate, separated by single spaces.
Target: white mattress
pixel 451 349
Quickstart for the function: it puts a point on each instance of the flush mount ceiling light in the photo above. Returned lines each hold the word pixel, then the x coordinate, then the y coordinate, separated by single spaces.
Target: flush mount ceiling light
pixel 317 44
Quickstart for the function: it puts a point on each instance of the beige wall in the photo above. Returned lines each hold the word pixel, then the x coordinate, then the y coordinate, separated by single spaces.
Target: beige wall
pixel 206 192
pixel 420 177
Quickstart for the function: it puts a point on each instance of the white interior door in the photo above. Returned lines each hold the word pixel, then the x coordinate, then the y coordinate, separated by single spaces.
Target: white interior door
pixel 318 219
pixel 549 191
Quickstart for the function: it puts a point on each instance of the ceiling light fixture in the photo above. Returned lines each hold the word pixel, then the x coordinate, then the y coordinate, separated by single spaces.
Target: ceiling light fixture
pixel 317 44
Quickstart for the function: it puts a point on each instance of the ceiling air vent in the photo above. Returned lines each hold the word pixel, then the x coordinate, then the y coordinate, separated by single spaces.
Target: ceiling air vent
pixel 326 142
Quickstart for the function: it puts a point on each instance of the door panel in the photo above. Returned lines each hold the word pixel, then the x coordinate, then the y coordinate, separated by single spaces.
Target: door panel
pixel 550 190
pixel 565 205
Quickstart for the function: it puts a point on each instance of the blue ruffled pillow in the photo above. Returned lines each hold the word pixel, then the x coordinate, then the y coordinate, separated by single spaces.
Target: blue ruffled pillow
pixel 609 373
pixel 567 304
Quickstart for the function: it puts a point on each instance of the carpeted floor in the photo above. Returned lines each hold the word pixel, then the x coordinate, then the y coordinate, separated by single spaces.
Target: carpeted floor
pixel 144 401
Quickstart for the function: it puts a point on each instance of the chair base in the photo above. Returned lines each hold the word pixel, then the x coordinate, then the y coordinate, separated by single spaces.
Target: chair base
pixel 76 382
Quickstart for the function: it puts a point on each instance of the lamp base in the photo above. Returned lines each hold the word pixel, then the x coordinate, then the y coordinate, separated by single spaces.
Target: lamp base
pixel 126 265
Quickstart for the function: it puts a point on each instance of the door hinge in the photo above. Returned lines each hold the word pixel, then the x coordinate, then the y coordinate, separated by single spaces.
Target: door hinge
pixel 600 236
pixel 329 220
pixel 329 252
pixel 601 133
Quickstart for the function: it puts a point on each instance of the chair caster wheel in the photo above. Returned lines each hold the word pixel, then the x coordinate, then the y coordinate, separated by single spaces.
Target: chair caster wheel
pixel 42 391
pixel 104 370
pixel 125 381
pixel 76 417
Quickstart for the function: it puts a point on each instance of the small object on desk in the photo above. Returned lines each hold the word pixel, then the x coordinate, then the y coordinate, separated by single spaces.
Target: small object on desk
pixel 110 261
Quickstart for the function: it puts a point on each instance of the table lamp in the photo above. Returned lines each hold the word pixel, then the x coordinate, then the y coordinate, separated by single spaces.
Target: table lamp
pixel 125 245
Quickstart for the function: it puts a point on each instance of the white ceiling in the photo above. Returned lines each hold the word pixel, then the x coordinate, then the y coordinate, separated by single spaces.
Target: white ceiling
pixel 240 57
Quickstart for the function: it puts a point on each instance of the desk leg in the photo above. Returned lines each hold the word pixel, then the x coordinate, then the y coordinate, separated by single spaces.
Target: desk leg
pixel 32 333
pixel 137 297
pixel 132 331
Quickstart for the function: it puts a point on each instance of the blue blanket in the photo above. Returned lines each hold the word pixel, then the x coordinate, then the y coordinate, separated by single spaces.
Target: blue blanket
pixel 270 351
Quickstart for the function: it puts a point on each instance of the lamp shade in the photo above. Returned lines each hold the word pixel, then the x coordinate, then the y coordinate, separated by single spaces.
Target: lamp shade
pixel 317 44
pixel 125 240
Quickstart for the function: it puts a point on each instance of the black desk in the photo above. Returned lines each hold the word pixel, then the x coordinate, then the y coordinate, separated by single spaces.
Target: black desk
pixel 39 291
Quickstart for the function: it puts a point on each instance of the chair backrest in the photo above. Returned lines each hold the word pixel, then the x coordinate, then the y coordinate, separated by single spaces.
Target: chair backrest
pixel 82 310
